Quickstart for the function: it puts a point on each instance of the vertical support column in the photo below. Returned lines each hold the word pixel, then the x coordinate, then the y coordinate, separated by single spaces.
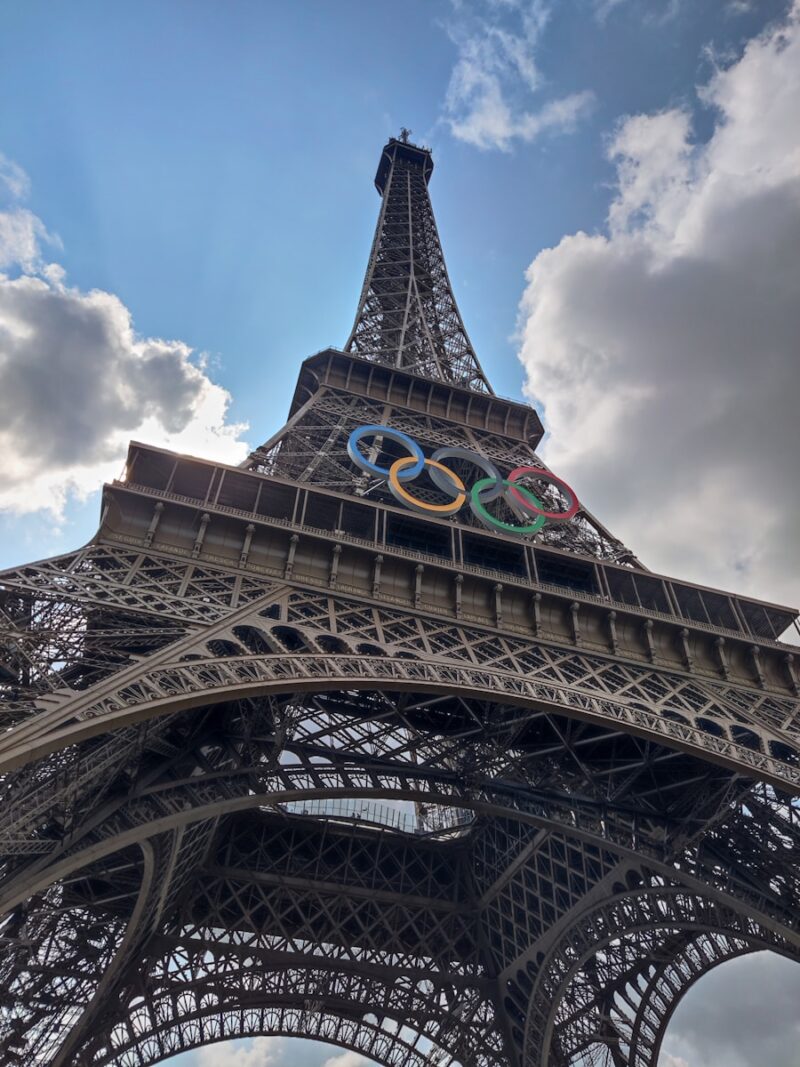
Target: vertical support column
pixel 151 529
pixel 536 605
pixel 335 555
pixel 575 623
pixel 205 519
pixel 249 530
pixel 648 640
pixel 791 673
pixel 293 542
pixel 459 583
pixel 688 659
pixel 755 653
pixel 419 570
pixel 722 657
pixel 257 500
pixel 611 623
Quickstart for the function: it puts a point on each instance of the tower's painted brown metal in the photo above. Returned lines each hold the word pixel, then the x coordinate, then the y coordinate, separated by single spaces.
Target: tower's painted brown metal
pixel 211 711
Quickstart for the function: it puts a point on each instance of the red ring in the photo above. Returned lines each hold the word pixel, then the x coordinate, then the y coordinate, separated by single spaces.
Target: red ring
pixel 554 516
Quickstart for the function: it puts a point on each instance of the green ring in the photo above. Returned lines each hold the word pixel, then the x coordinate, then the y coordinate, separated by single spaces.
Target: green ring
pixel 480 512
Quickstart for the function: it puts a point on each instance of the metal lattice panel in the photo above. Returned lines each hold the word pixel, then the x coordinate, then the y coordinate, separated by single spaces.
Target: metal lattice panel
pixel 313 448
pixel 407 314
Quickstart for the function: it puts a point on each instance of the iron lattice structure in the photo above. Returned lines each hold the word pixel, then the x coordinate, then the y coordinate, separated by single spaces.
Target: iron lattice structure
pixel 211 711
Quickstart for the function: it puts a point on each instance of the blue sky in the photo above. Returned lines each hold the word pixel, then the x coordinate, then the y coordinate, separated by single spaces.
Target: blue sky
pixel 211 165
pixel 616 186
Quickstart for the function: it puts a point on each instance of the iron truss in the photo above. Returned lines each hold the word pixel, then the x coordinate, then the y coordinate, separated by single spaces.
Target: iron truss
pixel 407 315
pixel 277 759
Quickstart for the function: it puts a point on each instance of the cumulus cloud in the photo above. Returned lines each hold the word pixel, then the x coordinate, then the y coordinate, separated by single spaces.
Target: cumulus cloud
pixel 77 382
pixel 496 79
pixel 347 1059
pixel 260 1052
pixel 665 350
pixel 741 1014
pixel 271 1052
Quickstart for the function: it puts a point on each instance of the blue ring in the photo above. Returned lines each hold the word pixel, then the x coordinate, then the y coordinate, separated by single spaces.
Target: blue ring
pixel 358 458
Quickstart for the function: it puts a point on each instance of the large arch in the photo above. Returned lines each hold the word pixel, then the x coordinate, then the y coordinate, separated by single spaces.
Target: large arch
pixel 186 1035
pixel 686 935
pixel 166 808
pixel 193 683
pixel 596 827
pixel 154 1031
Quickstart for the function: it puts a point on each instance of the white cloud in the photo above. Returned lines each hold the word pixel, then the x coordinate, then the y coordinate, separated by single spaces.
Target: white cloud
pixel 260 1052
pixel 651 12
pixel 741 1014
pixel 21 232
pixel 666 350
pixel 347 1059
pixel 489 96
pixel 20 235
pixel 739 7
pixel 603 8
pixel 77 382
pixel 270 1052
pixel 14 178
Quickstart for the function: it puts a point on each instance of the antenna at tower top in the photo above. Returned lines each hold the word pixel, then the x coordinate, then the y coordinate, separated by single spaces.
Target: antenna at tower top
pixel 404 134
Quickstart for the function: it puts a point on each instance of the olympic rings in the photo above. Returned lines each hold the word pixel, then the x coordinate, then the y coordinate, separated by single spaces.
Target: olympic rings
pixel 485 465
pixel 361 461
pixel 521 500
pixel 480 512
pixel 404 497
pixel 545 476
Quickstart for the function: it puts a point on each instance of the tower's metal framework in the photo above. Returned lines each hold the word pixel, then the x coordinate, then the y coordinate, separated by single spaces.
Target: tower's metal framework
pixel 208 711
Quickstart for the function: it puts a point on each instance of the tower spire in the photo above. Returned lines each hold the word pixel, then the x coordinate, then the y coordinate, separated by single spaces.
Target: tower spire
pixel 407 315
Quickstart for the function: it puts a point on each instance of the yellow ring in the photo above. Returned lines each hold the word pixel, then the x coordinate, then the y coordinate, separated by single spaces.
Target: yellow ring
pixel 421 505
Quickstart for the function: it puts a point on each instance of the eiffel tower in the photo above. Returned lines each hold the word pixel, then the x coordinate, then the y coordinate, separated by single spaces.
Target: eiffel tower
pixel 315 746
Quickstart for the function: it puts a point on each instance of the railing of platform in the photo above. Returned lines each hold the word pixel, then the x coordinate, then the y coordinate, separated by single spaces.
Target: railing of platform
pixel 375 813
